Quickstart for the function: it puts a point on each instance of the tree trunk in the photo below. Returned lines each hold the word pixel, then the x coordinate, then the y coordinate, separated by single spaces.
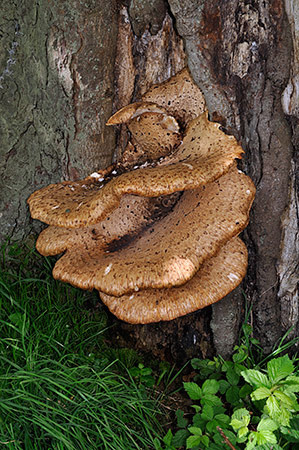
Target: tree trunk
pixel 68 65
pixel 56 93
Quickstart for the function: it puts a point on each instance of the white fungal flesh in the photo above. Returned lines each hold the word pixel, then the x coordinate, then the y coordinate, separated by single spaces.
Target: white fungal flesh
pixel 188 165
pixel 170 124
pixel 142 110
pixel 97 176
pixel 108 268
pixel 143 165
pixel 233 277
pixel 80 204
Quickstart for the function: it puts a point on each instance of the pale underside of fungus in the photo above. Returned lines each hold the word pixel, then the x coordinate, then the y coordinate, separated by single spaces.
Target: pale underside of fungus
pixel 157 239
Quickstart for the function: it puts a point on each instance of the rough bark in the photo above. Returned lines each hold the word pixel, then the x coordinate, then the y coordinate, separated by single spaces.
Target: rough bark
pixel 56 93
pixel 240 55
pixel 65 66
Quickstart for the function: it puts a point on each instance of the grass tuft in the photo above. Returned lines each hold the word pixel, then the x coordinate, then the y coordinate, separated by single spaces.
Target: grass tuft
pixel 60 387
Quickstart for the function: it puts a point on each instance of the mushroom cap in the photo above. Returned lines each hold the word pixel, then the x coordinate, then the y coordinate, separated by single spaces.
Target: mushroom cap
pixel 132 215
pixel 179 95
pixel 171 251
pixel 134 110
pixel 156 133
pixel 205 154
pixel 216 278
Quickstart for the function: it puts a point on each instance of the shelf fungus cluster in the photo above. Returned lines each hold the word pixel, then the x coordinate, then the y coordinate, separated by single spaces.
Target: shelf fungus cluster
pixel 156 233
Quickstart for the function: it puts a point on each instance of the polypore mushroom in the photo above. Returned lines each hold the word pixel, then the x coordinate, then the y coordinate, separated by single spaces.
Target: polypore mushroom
pixel 216 278
pixel 205 154
pixel 169 252
pixel 132 216
pixel 179 95
pixel 148 261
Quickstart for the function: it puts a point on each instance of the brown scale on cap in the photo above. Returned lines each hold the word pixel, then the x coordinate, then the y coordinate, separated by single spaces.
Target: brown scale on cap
pixel 171 251
pixel 179 95
pixel 205 154
pixel 216 278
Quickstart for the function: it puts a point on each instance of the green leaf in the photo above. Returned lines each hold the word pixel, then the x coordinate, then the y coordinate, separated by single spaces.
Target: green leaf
pixel 223 386
pixel 290 384
pixel 146 371
pixel 207 412
pixel 198 421
pixel 236 424
pixel 212 400
pixel 260 393
pixel 256 378
pixel 284 418
pixel 279 368
pixel 239 368
pixel 268 447
pixel 195 430
pixel 267 424
pixel 204 367
pixel 214 446
pixel 252 438
pixel 277 412
pixel 180 437
pixel 273 407
pixel 286 400
pixel 193 390
pixel 157 444
pixel 242 439
pixel 245 390
pixel 291 433
pixel 210 387
pixel 168 438
pixel 219 409
pixel 232 377
pixel 241 355
pixel 205 441
pixel 240 418
pixel 193 441
pixel 242 432
pixel 229 434
pixel 181 422
pixel 212 425
pixel 247 329
pixel 266 437
pixel 232 395
pixel 196 407
pixel 134 371
pixel 222 419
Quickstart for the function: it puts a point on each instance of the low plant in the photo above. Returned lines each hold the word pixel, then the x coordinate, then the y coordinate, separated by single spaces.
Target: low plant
pixel 60 386
pixel 242 404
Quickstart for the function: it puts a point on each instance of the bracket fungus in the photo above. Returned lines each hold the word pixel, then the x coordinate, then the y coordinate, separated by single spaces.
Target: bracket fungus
pixel 160 240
